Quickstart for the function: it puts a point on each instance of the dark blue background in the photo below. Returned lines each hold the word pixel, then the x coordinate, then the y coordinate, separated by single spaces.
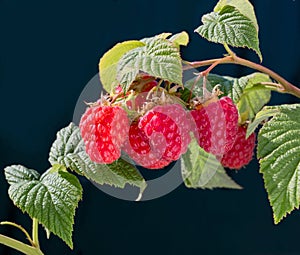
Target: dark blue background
pixel 51 49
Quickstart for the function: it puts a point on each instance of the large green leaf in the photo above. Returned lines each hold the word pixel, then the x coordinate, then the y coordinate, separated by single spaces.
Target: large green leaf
pixel 108 63
pixel 51 198
pixel 202 170
pixel 69 150
pixel 230 26
pixel 159 58
pixel 279 153
pixel 244 7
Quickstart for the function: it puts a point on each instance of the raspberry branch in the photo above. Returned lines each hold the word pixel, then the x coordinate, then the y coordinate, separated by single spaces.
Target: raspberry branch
pixel 285 86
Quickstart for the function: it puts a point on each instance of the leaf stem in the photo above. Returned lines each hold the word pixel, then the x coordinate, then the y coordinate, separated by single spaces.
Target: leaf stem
pixel 19 227
pixel 229 51
pixel 35 232
pixel 287 87
pixel 19 246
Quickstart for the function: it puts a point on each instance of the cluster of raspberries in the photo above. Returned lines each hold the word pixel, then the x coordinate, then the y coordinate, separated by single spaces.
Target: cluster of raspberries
pixel 154 132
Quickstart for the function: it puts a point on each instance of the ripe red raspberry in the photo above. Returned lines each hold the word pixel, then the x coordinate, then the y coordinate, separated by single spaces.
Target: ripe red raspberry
pixel 138 147
pixel 216 125
pixel 104 130
pixel 159 137
pixel 241 152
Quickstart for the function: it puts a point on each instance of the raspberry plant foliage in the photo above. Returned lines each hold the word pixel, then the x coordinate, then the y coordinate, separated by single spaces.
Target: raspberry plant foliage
pixel 141 76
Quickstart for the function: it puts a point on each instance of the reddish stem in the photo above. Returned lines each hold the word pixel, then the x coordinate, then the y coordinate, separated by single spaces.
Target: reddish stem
pixel 287 86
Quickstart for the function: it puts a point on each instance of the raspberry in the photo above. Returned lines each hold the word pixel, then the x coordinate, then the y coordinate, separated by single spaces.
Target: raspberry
pixel 216 125
pixel 139 149
pixel 104 130
pixel 159 137
pixel 241 152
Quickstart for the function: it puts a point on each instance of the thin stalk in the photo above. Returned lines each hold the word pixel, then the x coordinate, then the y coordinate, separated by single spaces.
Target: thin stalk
pixel 20 228
pixel 212 66
pixel 229 51
pixel 35 232
pixel 196 64
pixel 19 246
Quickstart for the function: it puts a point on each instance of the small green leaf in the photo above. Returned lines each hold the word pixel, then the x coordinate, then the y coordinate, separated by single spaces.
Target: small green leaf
pixel 159 58
pixel 51 198
pixel 244 7
pixel 180 38
pixel 108 63
pixel 261 116
pixel 279 150
pixel 230 26
pixel 69 150
pixel 254 95
pixel 202 170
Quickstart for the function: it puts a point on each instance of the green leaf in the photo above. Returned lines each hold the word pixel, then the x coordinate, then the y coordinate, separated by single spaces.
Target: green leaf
pixel 69 150
pixel 254 95
pixel 279 151
pixel 244 7
pixel 159 58
pixel 17 173
pixel 261 116
pixel 202 170
pixel 68 142
pixel 230 26
pixel 109 61
pixel 180 38
pixel 117 174
pixel 51 198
